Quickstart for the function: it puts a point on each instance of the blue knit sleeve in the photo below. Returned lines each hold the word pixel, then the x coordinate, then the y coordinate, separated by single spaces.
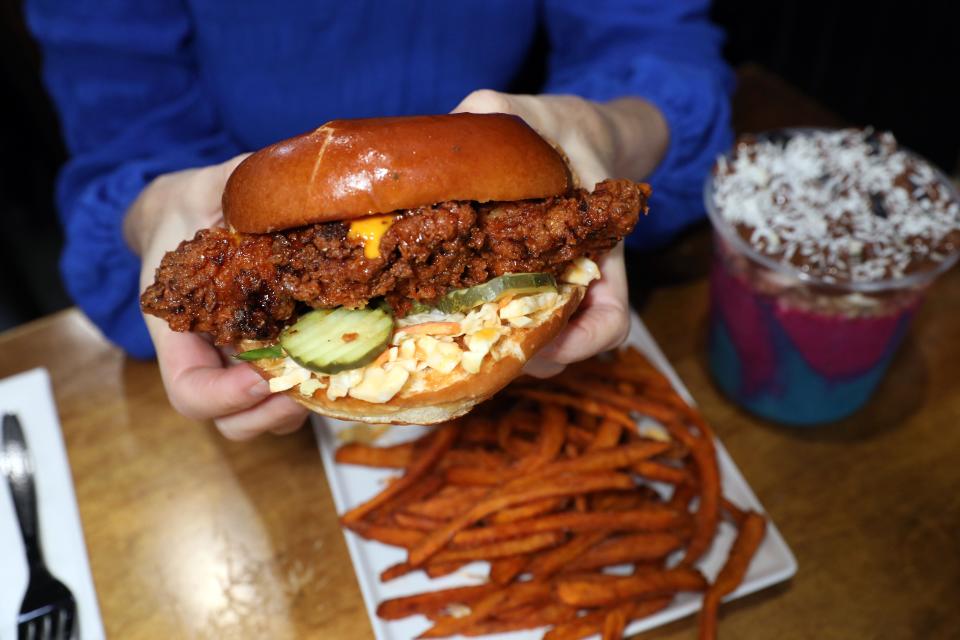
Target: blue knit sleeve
pixel 669 54
pixel 132 107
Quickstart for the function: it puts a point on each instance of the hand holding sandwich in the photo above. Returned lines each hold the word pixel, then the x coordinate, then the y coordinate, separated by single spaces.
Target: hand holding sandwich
pixel 202 383
pixel 621 139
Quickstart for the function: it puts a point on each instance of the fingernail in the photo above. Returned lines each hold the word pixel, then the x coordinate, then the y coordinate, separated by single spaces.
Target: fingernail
pixel 260 389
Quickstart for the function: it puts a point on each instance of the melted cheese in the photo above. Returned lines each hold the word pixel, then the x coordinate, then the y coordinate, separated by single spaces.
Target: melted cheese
pixel 370 231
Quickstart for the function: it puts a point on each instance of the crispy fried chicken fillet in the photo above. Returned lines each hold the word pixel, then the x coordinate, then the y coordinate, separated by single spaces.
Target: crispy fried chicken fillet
pixel 248 286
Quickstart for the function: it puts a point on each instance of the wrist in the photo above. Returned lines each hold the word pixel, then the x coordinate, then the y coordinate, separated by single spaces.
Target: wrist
pixel 640 136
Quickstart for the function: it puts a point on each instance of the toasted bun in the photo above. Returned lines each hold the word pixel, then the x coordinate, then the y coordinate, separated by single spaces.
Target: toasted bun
pixel 446 396
pixel 347 169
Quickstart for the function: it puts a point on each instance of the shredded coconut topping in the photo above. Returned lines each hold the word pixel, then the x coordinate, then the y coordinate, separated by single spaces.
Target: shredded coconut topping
pixel 843 206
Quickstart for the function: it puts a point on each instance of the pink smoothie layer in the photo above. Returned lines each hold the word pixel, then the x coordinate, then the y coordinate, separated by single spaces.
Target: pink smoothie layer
pixel 835 346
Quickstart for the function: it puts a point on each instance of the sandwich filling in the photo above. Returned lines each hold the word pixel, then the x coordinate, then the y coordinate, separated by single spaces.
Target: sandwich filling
pixel 432 350
pixel 250 286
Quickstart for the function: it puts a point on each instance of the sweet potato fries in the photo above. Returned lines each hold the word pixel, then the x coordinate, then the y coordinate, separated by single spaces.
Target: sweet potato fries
pixel 587 521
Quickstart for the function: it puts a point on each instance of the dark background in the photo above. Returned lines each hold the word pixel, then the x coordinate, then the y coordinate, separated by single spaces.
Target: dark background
pixel 890 65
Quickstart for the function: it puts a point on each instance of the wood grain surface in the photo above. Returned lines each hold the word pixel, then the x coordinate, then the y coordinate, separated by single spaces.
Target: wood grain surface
pixel 192 536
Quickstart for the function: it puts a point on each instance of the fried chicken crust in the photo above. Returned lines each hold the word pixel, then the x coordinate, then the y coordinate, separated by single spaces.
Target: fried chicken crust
pixel 249 286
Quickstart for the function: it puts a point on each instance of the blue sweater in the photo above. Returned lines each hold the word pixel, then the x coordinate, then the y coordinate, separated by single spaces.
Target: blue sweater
pixel 145 88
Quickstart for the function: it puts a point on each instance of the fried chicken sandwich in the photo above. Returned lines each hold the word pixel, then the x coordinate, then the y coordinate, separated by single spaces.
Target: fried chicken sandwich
pixel 396 270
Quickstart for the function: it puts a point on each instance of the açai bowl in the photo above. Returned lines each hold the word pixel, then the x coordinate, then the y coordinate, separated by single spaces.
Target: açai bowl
pixel 825 242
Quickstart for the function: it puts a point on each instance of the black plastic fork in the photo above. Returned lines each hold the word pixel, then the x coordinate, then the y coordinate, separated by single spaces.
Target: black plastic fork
pixel 49 611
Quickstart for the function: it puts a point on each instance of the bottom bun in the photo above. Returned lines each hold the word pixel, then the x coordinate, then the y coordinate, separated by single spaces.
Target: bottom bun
pixel 442 397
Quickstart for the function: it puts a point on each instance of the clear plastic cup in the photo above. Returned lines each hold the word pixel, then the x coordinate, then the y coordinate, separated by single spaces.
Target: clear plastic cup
pixel 792 348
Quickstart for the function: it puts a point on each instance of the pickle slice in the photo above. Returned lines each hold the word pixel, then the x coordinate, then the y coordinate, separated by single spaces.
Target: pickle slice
pixel 420 307
pixel 273 351
pixel 334 340
pixel 508 284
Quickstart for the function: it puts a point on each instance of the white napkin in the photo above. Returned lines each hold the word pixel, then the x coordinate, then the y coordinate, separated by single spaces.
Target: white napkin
pixel 29 396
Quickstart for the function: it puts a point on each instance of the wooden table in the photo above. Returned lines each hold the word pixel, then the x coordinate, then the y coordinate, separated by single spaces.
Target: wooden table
pixel 193 536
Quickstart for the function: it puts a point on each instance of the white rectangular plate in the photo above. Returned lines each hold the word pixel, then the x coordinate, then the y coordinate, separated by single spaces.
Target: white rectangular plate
pixel 351 485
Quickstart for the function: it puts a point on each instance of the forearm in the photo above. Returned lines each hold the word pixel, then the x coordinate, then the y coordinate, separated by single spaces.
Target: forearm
pixel 141 218
pixel 639 137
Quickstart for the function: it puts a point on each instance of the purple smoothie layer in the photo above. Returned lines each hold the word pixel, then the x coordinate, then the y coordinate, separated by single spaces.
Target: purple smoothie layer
pixel 797 364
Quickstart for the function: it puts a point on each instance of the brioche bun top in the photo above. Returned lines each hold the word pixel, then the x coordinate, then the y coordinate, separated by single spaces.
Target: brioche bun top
pixel 348 169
